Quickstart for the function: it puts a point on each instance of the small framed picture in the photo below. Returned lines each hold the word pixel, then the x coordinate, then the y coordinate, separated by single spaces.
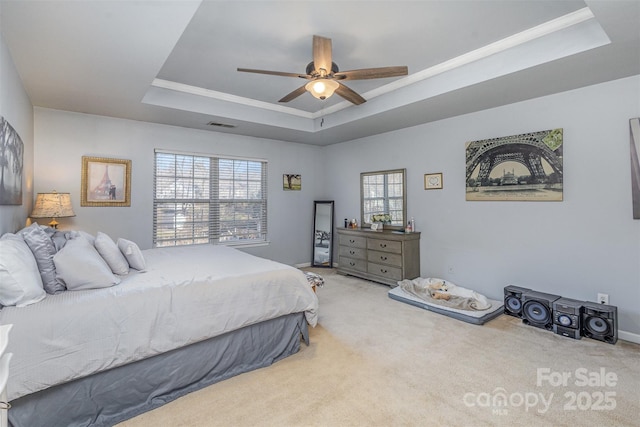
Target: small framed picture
pixel 432 181
pixel 105 182
pixel 291 182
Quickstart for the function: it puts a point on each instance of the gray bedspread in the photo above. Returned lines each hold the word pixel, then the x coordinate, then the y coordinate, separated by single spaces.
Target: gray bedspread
pixel 187 295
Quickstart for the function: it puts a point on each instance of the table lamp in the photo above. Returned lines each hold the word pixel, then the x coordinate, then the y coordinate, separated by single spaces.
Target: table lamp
pixel 53 205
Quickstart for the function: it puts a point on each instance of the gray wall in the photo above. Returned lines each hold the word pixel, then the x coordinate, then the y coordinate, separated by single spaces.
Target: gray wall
pixel 586 244
pixel 63 138
pixel 16 108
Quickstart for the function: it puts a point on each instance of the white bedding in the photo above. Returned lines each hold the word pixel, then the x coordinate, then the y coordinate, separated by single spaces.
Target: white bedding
pixel 186 295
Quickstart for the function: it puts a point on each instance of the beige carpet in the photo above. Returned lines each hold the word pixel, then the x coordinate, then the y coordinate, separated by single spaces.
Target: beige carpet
pixel 374 361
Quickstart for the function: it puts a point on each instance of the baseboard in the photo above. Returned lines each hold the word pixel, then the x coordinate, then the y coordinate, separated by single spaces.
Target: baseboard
pixel 628 336
pixel 308 264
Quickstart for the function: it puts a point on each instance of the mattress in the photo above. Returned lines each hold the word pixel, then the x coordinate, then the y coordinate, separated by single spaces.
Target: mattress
pixel 474 317
pixel 186 295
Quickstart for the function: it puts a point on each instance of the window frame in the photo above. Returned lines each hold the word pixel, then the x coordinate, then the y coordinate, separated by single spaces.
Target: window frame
pixel 203 185
pixel 384 198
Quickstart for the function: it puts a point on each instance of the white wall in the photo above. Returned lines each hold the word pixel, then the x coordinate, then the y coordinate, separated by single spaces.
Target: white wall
pixel 16 108
pixel 64 137
pixel 586 244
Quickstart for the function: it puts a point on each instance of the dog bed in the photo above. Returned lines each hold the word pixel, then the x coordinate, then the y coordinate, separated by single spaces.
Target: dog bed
pixel 474 317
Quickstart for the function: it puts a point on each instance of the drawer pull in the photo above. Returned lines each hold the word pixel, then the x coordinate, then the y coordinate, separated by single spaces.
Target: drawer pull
pixel 383 245
pixel 351 241
pixel 352 264
pixel 383 258
pixel 382 270
pixel 352 252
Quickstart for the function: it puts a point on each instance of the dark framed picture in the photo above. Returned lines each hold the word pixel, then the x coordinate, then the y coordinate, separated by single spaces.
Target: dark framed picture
pixel 433 181
pixel 291 182
pixel 105 182
pixel 525 167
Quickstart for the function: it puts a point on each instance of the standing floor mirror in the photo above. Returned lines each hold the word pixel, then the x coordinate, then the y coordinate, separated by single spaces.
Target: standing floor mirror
pixel 322 251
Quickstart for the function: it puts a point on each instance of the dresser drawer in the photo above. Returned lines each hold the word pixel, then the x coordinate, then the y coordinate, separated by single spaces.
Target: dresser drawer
pixel 387 258
pixel 385 245
pixel 353 264
pixel 385 271
pixel 352 252
pixel 353 241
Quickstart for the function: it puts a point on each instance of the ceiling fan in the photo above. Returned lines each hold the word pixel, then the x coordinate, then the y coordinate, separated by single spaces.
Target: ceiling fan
pixel 325 78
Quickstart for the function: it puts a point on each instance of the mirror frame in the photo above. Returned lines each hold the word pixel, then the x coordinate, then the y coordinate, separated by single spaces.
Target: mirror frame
pixel 317 203
pixel 364 224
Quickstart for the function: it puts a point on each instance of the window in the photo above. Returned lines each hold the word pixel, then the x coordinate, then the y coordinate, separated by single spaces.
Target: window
pixel 383 193
pixel 208 199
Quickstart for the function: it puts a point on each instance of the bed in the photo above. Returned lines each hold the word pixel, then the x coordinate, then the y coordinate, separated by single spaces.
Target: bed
pixel 193 316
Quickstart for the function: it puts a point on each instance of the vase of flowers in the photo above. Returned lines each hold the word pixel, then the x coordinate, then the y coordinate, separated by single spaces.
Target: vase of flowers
pixel 381 220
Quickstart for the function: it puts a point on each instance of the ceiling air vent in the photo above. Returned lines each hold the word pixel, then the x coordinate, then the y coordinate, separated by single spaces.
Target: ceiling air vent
pixel 221 125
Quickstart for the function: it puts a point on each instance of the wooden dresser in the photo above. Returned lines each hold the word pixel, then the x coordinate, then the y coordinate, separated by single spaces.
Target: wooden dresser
pixel 381 256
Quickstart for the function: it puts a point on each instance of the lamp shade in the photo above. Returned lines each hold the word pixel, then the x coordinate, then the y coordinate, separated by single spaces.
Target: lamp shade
pixel 322 88
pixel 53 205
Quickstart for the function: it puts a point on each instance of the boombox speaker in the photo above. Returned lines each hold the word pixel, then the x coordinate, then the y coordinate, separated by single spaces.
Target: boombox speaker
pixel 600 322
pixel 513 300
pixel 536 309
pixel 567 317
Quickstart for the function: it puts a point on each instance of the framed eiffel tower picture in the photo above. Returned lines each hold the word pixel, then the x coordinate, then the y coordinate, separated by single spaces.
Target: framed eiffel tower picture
pixel 526 167
pixel 105 182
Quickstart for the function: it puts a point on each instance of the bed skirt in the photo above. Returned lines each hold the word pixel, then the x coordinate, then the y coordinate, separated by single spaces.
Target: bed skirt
pixel 115 395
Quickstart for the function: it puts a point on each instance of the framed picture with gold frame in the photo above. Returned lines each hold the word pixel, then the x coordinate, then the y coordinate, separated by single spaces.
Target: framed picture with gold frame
pixel 105 182
pixel 432 181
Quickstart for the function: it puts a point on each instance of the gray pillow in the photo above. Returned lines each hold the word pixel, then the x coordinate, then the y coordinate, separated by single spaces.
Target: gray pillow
pixel 20 283
pixel 91 238
pixel 109 251
pixel 60 238
pixel 43 251
pixel 80 266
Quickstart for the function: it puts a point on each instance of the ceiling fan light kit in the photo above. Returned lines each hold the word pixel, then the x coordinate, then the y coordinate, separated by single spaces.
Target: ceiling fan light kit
pixel 325 76
pixel 322 88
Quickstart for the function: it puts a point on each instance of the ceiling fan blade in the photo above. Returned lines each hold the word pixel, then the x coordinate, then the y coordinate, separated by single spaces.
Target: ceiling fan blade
pixel 322 54
pixel 372 73
pixel 293 95
pixel 273 73
pixel 349 95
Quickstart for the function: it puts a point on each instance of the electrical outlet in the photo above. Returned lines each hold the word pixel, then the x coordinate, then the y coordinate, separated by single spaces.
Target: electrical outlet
pixel 603 298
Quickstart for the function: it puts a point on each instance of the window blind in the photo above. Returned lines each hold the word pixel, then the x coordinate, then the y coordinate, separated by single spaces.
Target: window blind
pixel 208 199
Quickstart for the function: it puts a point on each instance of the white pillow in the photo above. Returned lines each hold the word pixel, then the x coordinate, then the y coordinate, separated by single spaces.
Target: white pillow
pixel 20 281
pixel 132 252
pixel 80 266
pixel 111 254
